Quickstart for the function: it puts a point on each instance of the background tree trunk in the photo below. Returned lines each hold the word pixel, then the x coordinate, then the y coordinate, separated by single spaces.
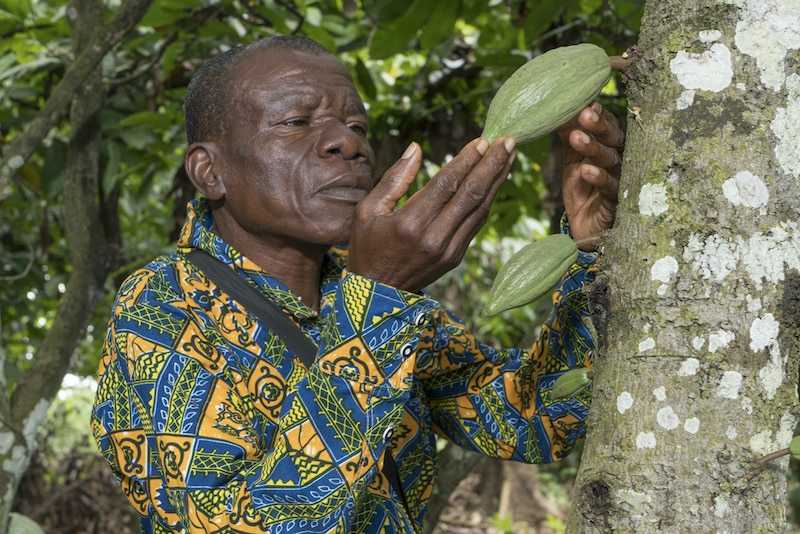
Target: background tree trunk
pixel 91 259
pixel 697 376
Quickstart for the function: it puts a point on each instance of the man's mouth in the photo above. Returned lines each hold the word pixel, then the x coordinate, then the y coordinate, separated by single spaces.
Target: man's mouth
pixel 348 187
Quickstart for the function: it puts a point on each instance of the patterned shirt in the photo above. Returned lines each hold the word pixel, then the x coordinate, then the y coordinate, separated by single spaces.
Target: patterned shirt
pixel 211 425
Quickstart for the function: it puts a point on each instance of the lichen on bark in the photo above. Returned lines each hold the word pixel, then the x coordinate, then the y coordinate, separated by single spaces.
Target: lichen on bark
pixel 708 400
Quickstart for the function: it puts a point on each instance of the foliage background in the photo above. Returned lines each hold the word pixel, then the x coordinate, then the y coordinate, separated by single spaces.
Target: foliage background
pixel 427 71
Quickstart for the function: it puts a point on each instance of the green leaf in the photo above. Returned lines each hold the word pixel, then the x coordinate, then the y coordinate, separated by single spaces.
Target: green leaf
pixel 386 10
pixel 365 81
pixel 321 36
pixel 541 15
pixel 394 38
pixel 20 8
pixel 440 24
pixel 8 21
pixel 794 447
pixel 146 118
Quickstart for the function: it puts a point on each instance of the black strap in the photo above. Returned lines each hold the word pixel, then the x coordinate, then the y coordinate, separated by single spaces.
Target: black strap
pixel 272 316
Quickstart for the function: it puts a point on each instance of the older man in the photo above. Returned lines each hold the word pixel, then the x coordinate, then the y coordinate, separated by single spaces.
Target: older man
pixel 213 425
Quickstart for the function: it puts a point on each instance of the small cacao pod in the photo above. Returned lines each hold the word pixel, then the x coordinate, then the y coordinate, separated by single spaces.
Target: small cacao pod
pixel 570 383
pixel 531 272
pixel 546 92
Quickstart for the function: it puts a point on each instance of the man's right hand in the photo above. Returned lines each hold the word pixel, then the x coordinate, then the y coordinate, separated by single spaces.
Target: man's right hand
pixel 411 247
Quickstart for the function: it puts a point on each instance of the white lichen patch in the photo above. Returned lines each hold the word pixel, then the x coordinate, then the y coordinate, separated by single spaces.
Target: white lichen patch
pixel 786 127
pixel 764 257
pixel 721 506
pixel 763 443
pixel 16 462
pixel 33 421
pixel 713 258
pixel 698 342
pixel 771 375
pixel 729 384
pixel 709 36
pixel 746 189
pixel 625 194
pixel 667 418
pixel 645 440
pixel 767 30
pixel 785 432
pixel 711 70
pixel 624 402
pixel 753 304
pixel 685 100
pixel 689 367
pixel 633 498
pixel 691 425
pixel 660 393
pixel 719 340
pixel 763 332
pixel 653 199
pixel 662 290
pixel 730 432
pixel 664 269
pixel 647 344
pixel 6 441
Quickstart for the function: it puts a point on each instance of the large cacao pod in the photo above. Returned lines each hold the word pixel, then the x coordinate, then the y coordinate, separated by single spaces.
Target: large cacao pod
pixel 546 92
pixel 531 272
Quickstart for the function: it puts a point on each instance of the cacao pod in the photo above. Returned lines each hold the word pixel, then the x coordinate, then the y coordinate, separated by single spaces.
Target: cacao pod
pixel 546 92
pixel 531 272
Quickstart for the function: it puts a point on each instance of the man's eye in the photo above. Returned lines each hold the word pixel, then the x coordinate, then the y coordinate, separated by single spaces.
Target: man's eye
pixel 296 121
pixel 360 129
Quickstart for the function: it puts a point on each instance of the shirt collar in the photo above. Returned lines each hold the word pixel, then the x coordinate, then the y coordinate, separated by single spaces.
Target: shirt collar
pixel 198 233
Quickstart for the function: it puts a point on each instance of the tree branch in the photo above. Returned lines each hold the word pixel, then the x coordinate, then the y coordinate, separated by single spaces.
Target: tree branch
pixel 21 148
pixel 83 229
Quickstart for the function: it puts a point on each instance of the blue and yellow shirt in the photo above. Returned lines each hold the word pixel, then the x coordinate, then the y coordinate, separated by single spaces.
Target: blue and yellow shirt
pixel 211 425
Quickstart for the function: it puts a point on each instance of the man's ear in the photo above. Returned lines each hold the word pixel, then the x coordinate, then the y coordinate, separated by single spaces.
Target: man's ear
pixel 202 164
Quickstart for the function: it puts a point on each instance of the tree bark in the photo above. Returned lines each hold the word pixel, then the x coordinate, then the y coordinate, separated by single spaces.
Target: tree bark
pixel 102 40
pixel 91 261
pixel 696 372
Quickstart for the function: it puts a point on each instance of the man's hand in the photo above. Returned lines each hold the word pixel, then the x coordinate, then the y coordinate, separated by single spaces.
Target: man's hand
pixel 591 176
pixel 413 246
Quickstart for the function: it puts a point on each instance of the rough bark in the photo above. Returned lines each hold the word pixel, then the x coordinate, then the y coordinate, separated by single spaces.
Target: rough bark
pixel 696 375
pixel 90 259
pixel 102 40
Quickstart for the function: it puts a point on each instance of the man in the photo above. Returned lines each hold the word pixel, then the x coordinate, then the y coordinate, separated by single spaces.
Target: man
pixel 207 419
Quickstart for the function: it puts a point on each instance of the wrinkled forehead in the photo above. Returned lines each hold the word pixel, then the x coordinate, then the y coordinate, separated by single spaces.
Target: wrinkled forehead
pixel 274 73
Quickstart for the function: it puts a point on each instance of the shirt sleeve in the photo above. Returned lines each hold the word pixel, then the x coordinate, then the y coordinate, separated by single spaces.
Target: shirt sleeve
pixel 178 430
pixel 498 401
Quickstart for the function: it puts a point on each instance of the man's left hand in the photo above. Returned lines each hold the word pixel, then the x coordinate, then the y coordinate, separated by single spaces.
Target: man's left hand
pixel 594 141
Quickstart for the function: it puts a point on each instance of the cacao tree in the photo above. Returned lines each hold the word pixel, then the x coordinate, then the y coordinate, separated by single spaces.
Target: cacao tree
pixel 699 316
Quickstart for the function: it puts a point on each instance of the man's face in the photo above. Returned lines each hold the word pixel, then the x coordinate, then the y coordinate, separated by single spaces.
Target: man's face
pixel 295 159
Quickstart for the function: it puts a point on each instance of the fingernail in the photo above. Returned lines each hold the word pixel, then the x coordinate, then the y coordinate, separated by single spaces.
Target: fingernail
pixel 597 107
pixel 412 148
pixel 583 138
pixel 481 147
pixel 594 117
pixel 510 143
pixel 591 171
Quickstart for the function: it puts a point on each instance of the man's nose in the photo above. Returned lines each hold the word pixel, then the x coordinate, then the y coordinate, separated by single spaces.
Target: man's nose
pixel 337 139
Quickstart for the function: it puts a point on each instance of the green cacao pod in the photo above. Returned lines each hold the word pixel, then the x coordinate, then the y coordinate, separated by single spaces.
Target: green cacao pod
pixel 570 383
pixel 531 272
pixel 547 92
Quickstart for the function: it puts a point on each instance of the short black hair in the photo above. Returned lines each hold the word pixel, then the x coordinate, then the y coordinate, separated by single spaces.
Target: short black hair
pixel 207 94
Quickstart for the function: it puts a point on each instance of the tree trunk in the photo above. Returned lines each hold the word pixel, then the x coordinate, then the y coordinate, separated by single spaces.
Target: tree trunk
pixel 696 372
pixel 21 415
